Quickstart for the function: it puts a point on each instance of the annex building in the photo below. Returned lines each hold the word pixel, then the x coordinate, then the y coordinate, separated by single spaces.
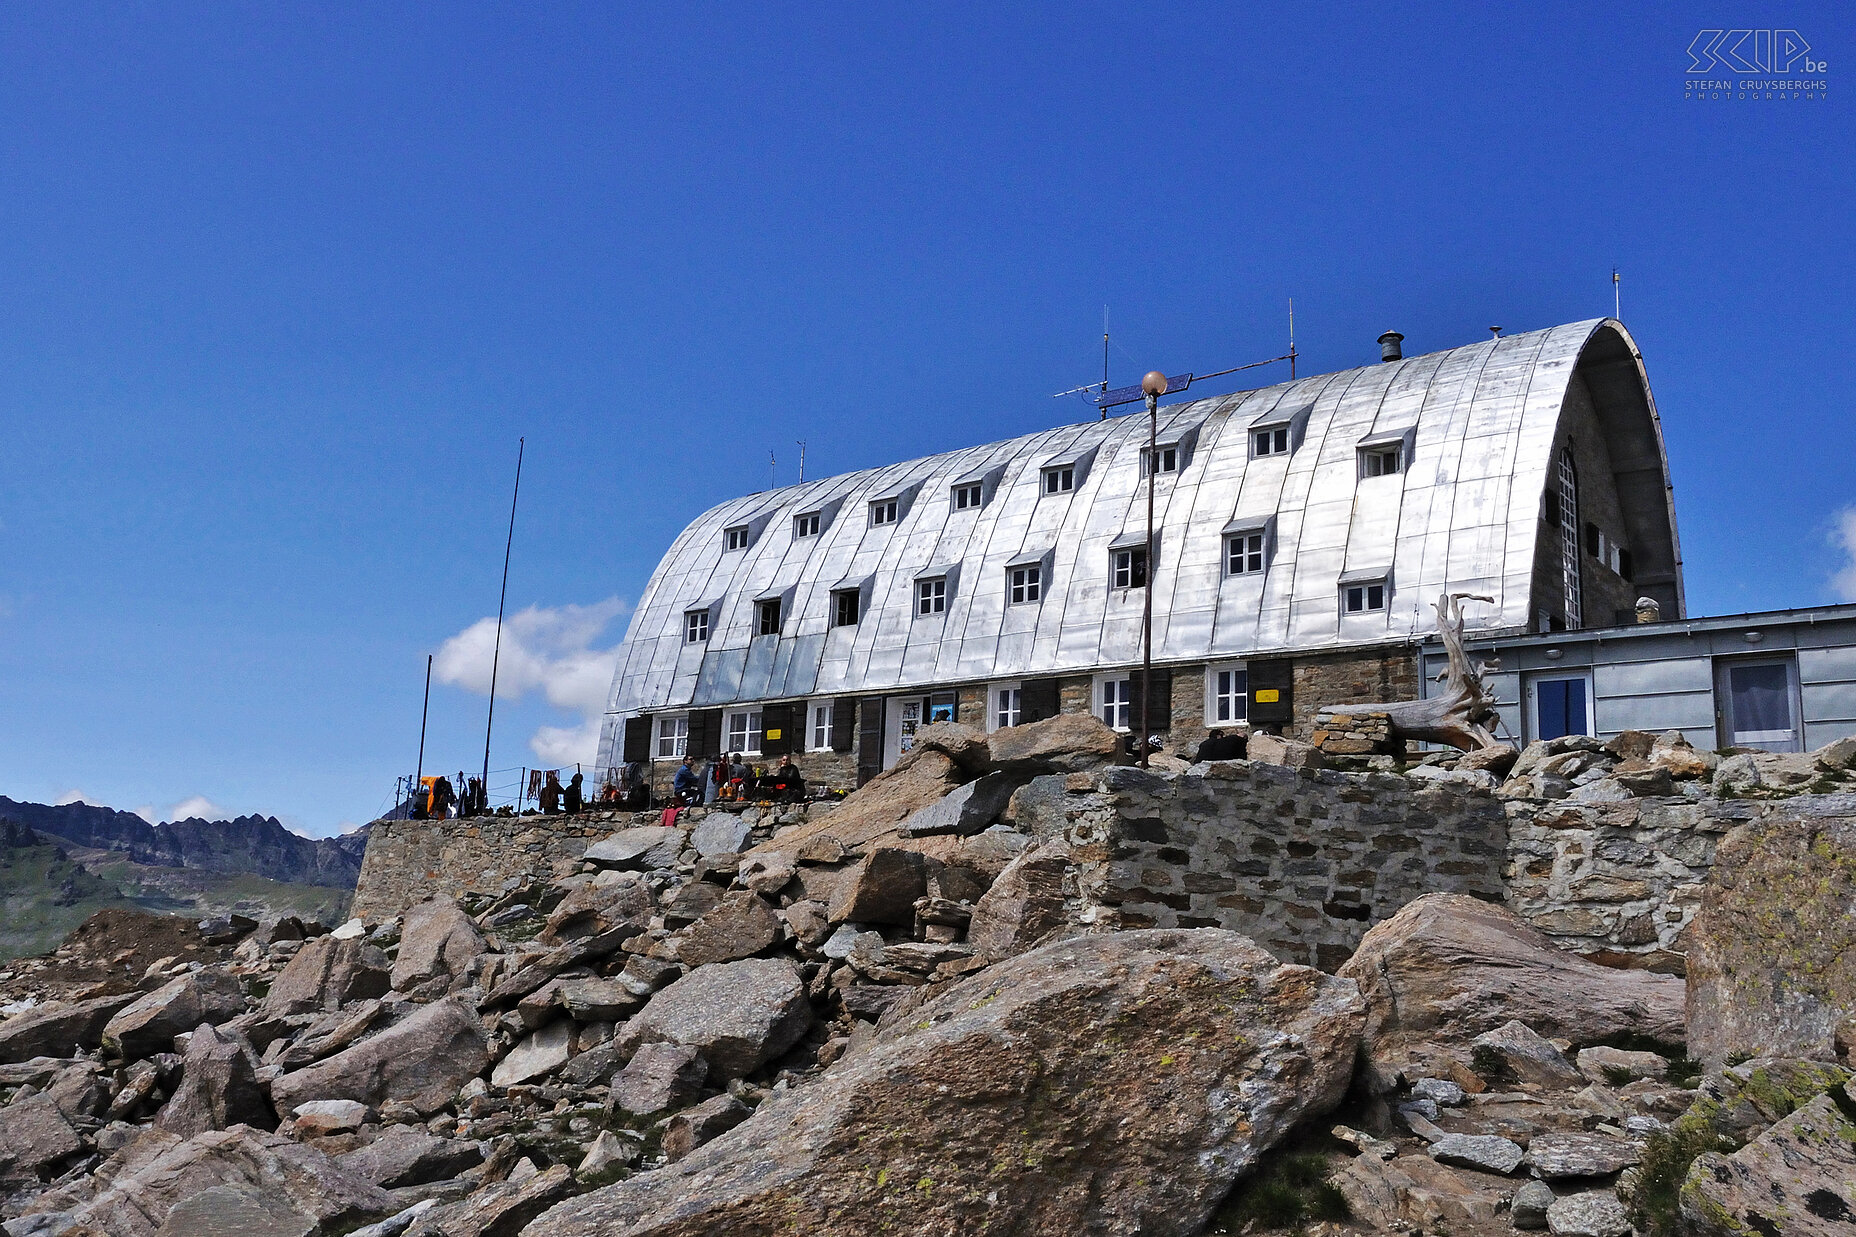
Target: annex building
pixel 1302 533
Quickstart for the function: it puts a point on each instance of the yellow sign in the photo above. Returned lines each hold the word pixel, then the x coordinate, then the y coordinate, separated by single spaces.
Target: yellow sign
pixel 1266 695
pixel 774 733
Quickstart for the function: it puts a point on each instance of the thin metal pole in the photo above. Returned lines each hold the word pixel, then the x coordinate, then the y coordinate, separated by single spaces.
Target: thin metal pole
pixel 1147 600
pixel 802 461
pixel 1292 339
pixel 424 711
pixel 497 654
pixel 1617 296
pixel 1104 359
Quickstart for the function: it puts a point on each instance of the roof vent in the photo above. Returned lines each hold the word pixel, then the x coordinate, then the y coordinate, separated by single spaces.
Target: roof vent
pixel 1389 349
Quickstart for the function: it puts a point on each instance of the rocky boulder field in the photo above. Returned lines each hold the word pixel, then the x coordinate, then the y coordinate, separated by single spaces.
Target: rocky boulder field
pixel 893 1016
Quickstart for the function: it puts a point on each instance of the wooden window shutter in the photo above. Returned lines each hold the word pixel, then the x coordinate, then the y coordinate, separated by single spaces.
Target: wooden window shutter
pixel 637 739
pixel 705 734
pixel 843 724
pixel 1272 677
pixel 1160 712
pixel 869 738
pixel 1038 699
pixel 776 734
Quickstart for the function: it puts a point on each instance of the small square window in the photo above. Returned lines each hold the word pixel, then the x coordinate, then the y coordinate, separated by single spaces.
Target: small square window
pixel 844 608
pixel 1270 441
pixel 1168 457
pixel 695 626
pixel 1007 705
pixel 1025 583
pixel 1128 568
pixel 821 727
pixel 744 733
pixel 735 538
pixel 768 615
pixel 883 511
pixel 1363 598
pixel 931 595
pixel 806 525
pixel 1244 555
pixel 1059 480
pixel 966 497
pixel 1116 702
pixel 1382 461
pixel 673 736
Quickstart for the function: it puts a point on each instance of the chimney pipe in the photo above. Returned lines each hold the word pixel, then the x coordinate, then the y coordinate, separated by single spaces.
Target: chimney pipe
pixel 1648 611
pixel 1389 349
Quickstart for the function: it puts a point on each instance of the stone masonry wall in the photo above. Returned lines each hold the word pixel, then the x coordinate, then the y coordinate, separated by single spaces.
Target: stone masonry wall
pixel 407 860
pixel 1328 680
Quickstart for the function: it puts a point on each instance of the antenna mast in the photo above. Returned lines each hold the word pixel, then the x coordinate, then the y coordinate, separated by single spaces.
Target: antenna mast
pixel 1617 297
pixel 497 653
pixel 1105 359
pixel 802 461
pixel 1291 339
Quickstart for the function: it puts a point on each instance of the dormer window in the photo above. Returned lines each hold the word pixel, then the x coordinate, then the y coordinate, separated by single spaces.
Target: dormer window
pixel 735 538
pixel 1382 461
pixel 1059 480
pixel 767 616
pixel 845 608
pixel 931 596
pixel 1244 553
pixel 1273 441
pixel 967 497
pixel 1167 455
pixel 1128 568
pixel 883 511
pixel 695 626
pixel 1025 584
pixel 806 525
pixel 1363 598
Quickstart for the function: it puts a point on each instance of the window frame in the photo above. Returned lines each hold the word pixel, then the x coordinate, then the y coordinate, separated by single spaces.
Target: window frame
pixel 1117 569
pixel 1270 435
pixel 737 537
pixel 1024 584
pixel 808 524
pixel 838 599
pixel 1380 452
pixel 776 606
pixel 1237 547
pixel 967 495
pixel 1169 453
pixel 696 626
pixel 930 596
pixel 1215 696
pixel 1366 588
pixel 1122 684
pixel 889 509
pixel 815 728
pixel 753 728
pixel 678 725
pixel 996 709
pixel 1050 477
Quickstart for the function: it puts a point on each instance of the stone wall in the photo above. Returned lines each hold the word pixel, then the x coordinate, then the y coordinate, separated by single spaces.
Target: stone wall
pixel 1303 862
pixel 1327 680
pixel 408 860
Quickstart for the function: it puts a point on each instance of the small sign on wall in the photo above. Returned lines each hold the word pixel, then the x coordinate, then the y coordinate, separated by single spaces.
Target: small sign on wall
pixel 1267 695
pixel 774 732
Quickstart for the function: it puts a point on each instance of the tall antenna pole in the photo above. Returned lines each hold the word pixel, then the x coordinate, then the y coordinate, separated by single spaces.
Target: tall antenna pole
pixel 1292 338
pixel 1617 297
pixel 773 472
pixel 497 654
pixel 802 461
pixel 1105 359
pixel 419 778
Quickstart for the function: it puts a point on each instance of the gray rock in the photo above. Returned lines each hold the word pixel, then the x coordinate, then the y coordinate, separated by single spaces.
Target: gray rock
pixel 648 846
pixel 322 1117
pixel 236 1211
pixel 597 1000
pixel 150 1024
pixel 1602 1064
pixel 739 927
pixel 1066 743
pixel 1797 1178
pixel 620 908
pixel 218 1087
pixel 693 1127
pixel 421 1061
pixel 59 1029
pixel 883 888
pixel 1439 1090
pixel 437 941
pixel 34 1136
pixel 720 833
pixel 1487 1152
pixel 1529 1209
pixel 327 973
pixel 738 1015
pixel 1598 1214
pixel 1134 1045
pixel 609 1154
pixel 659 1077
pixel 1423 1105
pixel 537 1054
pixel 404 1155
pixel 1555 1155
pixel 499 1210
pixel 1025 906
pixel 1734 774
pixel 1512 1052
pixel 965 811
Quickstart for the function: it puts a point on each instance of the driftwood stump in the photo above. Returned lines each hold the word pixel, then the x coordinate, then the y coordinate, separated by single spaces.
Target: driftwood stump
pixel 1463 714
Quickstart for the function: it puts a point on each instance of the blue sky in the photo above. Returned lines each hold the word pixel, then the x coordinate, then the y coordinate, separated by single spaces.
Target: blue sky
pixel 281 286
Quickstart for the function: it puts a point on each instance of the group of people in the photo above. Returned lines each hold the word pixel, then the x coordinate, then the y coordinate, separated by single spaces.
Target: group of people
pixel 555 798
pixel 437 798
pixel 726 778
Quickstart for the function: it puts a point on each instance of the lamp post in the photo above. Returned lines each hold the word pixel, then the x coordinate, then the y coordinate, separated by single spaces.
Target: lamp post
pixel 1153 386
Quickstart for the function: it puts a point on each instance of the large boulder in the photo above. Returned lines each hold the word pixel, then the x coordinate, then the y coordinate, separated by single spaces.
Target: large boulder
pixel 739 927
pixel 645 847
pixel 1772 951
pixel 411 1155
pixel 883 888
pixel 1798 1178
pixel 600 909
pixel 1113 1084
pixel 218 1087
pixel 1025 905
pixel 1066 743
pixel 437 941
pixel 421 1061
pixel 236 1211
pixel 871 813
pixel 328 972
pixel 966 810
pixel 153 1175
pixel 151 1022
pixel 1449 967
pixel 59 1029
pixel 34 1137
pixel 738 1015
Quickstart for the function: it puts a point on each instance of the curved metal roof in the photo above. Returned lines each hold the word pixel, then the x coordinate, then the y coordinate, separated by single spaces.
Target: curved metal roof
pixel 1479 423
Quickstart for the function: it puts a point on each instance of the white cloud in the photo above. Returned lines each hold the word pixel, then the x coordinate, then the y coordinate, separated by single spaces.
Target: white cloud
pixel 72 796
pixel 546 649
pixel 197 805
pixel 1843 535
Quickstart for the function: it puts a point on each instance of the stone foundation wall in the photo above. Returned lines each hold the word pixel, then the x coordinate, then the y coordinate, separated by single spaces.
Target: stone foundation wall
pixel 1326 681
pixel 408 860
pixel 1302 862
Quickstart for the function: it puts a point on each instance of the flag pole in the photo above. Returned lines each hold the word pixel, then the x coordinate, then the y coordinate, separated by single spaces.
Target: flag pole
pixel 497 654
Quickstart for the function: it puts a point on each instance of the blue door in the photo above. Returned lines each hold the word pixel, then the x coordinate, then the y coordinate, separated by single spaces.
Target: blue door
pixel 1560 706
